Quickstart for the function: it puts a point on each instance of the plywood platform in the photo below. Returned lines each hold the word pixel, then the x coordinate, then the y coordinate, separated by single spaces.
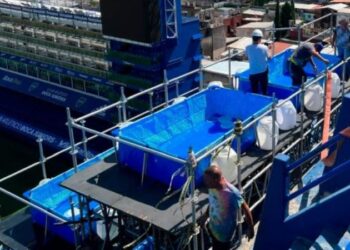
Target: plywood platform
pixel 120 188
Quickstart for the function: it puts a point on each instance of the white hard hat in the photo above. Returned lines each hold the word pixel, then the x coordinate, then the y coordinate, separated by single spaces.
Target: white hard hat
pixel 257 33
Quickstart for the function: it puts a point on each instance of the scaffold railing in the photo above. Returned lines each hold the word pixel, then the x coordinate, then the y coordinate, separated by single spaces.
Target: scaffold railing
pixel 247 188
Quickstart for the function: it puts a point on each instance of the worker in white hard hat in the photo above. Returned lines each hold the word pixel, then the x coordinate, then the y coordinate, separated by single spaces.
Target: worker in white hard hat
pixel 258 55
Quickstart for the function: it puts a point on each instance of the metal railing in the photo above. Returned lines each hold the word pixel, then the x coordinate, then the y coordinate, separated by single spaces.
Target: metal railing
pixel 52 45
pixel 226 141
pixel 299 28
pixel 121 107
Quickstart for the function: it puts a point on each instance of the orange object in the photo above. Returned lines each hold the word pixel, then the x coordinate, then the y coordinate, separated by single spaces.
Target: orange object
pixel 327 113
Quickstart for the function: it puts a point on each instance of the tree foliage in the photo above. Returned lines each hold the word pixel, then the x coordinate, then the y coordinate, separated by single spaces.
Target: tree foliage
pixel 277 20
pixel 292 5
pixel 286 14
pixel 260 2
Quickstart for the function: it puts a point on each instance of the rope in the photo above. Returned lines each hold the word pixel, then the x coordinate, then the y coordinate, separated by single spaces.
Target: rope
pixel 229 143
pixel 176 173
pixel 184 190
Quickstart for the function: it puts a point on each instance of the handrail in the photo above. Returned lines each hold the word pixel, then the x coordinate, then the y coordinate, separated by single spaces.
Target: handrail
pixel 120 140
pixel 329 30
pixel 53 45
pixel 48 27
pixel 146 91
pixel 326 176
pixel 309 156
pixel 307 84
pixel 316 20
pixel 20 199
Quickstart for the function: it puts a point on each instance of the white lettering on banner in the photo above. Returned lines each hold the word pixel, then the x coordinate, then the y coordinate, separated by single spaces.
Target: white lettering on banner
pixel 56 95
pixel 11 80
pixel 26 129
pixel 37 133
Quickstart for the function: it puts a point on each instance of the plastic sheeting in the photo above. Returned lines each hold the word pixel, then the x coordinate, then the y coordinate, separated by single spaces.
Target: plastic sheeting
pixel 200 122
pixel 280 82
pixel 54 198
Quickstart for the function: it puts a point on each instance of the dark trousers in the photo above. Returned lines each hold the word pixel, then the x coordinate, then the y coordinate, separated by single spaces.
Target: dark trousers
pixel 218 245
pixel 261 78
pixel 297 73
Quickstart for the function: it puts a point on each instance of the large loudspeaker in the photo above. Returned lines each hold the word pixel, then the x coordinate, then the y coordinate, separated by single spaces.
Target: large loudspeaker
pixel 135 20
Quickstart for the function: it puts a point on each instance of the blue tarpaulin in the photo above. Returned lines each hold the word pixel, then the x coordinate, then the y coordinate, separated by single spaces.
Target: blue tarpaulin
pixel 280 81
pixel 200 122
pixel 56 199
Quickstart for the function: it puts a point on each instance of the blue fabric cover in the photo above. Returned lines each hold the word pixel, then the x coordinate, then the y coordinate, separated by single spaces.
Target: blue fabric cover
pixel 55 199
pixel 199 122
pixel 280 82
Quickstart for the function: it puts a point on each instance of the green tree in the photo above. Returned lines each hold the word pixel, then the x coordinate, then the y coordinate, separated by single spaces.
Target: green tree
pixel 277 20
pixel 259 2
pixel 286 15
pixel 292 5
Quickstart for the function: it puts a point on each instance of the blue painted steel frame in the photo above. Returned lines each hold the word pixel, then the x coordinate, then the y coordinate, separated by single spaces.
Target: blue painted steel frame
pixel 277 230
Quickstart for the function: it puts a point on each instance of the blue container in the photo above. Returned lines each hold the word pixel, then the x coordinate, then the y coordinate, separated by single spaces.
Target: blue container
pixel 280 81
pixel 55 199
pixel 200 122
pixel 146 244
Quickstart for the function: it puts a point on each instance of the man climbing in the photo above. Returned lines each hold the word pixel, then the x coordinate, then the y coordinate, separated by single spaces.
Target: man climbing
pixel 301 56
pixel 224 203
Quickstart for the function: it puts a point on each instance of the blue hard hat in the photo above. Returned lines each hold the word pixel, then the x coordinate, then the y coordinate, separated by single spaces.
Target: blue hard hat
pixel 318 47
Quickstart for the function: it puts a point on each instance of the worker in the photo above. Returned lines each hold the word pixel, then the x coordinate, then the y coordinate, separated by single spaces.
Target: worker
pixel 258 55
pixel 341 38
pixel 301 56
pixel 224 203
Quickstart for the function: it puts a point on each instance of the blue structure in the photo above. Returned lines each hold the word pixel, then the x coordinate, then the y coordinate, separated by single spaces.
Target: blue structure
pixel 328 214
pixel 52 197
pixel 280 82
pixel 176 52
pixel 199 122
pixel 35 80
pixel 147 244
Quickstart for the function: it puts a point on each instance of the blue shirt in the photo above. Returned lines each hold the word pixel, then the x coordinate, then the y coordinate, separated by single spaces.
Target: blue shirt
pixel 342 37
pixel 223 208
pixel 258 55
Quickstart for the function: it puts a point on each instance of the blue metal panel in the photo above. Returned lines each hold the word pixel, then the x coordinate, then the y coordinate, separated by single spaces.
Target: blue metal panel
pixel 196 123
pixel 277 230
pixel 50 92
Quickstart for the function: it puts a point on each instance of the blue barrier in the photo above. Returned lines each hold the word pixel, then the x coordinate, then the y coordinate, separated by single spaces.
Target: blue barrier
pixel 278 229
pixel 280 82
pixel 200 122
pixel 52 197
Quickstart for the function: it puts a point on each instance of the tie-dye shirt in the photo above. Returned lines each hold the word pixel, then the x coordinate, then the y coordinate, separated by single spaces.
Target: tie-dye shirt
pixel 223 207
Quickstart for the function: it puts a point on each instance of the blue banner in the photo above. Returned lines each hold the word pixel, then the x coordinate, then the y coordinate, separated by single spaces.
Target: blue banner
pixel 57 69
pixel 29 131
pixel 60 95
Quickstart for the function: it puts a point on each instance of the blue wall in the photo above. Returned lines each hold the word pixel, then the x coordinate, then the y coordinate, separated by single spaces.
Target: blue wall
pixel 277 230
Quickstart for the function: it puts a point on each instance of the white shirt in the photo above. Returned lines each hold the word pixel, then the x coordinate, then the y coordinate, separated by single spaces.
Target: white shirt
pixel 257 54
